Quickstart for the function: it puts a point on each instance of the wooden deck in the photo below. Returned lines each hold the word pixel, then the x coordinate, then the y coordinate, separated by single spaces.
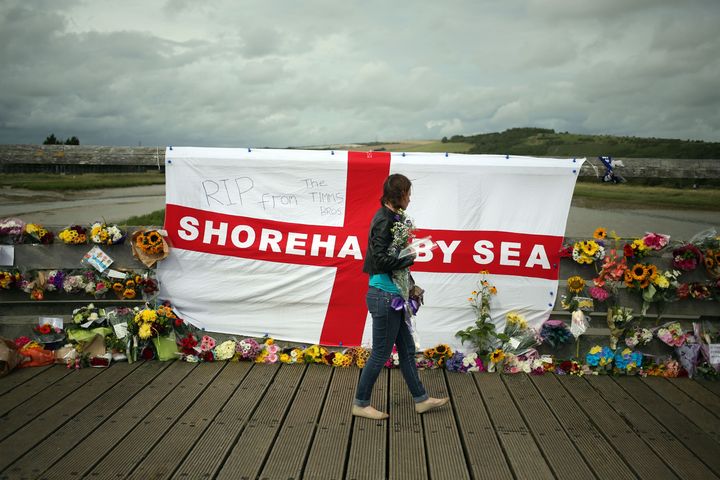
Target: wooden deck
pixel 245 421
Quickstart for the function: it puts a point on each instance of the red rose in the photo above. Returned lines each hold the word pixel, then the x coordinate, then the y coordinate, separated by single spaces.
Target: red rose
pixel 147 353
pixel 178 322
pixel 628 250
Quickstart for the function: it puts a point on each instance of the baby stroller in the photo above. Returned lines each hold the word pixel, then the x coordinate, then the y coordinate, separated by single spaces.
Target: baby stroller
pixel 610 175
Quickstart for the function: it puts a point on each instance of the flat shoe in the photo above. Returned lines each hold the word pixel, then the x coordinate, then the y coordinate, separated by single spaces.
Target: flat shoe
pixel 368 412
pixel 430 403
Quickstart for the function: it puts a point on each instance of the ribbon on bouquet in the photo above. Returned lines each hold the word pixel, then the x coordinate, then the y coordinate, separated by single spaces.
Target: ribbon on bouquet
pixel 398 303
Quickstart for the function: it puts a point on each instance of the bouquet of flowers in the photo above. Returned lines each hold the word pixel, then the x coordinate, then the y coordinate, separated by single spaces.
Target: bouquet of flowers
pixel 394 359
pixel 640 275
pixel 610 277
pixel 600 358
pixel 295 355
pixel 54 280
pixel 576 284
pixel 627 361
pixel 708 242
pixel 38 234
pixel 438 354
pixel 315 354
pixel 656 241
pixel 34 285
pixel 517 337
pixel 50 335
pixel 225 350
pixel 639 336
pixel 270 352
pixel 9 279
pixel 89 313
pixel 75 282
pixel 402 232
pixel 695 290
pixel 248 349
pixel 104 234
pixel 672 334
pixel 687 257
pixel 73 235
pixel 495 360
pixel 555 333
pixel 636 250
pixel 587 252
pixel 149 246
pixel 618 319
pixel 482 334
pixel 11 230
pixel 150 322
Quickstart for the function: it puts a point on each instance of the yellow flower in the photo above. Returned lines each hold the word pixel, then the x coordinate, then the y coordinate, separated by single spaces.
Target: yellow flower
pixel 145 331
pixel 661 282
pixel 269 341
pixel 639 272
pixel 639 245
pixel 589 247
pixel 497 356
pixel 285 358
pixel 149 315
pixel 429 353
pixel 138 317
pixel 652 271
pixel 595 349
pixel 600 233
pixel 575 284
pixel 493 291
pixel 516 319
pixel 129 293
pixel 484 272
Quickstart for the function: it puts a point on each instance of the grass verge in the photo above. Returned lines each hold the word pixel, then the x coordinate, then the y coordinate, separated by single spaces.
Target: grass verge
pixel 156 218
pixel 625 195
pixel 85 181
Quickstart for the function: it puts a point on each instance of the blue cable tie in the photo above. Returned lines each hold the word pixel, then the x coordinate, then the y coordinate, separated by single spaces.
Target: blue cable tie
pixel 507 157
pixel 332 152
pixel 446 154
pixel 403 154
pixel 170 147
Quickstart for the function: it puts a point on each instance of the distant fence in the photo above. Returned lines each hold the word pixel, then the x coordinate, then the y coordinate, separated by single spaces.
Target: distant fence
pixel 100 159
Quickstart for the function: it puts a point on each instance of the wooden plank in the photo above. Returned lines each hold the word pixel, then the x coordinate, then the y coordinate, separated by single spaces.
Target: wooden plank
pixel 598 453
pixel 292 445
pixel 329 449
pixel 443 447
pixel 123 458
pixel 368 443
pixel 81 459
pixel 34 385
pixel 406 460
pixel 483 453
pixel 208 455
pixel 52 448
pixel 42 426
pixel 19 376
pixel 174 446
pixel 712 385
pixel 654 434
pixel 636 453
pixel 703 396
pixel 697 441
pixel 559 451
pixel 684 404
pixel 29 410
pixel 248 456
pixel 524 456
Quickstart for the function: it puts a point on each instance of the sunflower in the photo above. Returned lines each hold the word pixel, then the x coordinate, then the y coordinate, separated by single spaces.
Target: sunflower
pixel 600 233
pixel 497 356
pixel 118 287
pixel 130 284
pixel 429 353
pixel 652 271
pixel 628 278
pixel 709 262
pixel 575 284
pixel 129 293
pixel 589 247
pixel 645 282
pixel 639 272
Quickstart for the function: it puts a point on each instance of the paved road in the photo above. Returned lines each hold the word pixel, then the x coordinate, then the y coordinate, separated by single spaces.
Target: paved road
pixel 117 204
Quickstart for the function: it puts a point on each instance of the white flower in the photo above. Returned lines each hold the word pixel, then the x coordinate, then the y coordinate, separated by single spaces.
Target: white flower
pixel 225 350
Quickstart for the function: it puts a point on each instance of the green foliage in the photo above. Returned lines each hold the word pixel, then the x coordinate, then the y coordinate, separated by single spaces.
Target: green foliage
pixel 547 142
pixel 83 181
pixel 156 218
pixel 53 140
pixel 481 335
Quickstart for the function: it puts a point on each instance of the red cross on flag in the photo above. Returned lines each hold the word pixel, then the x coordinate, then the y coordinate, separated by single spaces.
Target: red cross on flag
pixel 272 242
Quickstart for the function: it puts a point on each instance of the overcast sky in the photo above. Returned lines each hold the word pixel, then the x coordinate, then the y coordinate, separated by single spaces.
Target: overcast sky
pixel 298 73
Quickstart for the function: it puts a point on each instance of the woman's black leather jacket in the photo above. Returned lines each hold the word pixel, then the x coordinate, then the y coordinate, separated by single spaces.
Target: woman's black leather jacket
pixel 377 259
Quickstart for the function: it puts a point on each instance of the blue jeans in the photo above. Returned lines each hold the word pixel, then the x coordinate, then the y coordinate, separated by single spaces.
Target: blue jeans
pixel 389 328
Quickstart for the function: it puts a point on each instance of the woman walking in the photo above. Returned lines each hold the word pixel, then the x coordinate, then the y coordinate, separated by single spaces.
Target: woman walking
pixel 389 326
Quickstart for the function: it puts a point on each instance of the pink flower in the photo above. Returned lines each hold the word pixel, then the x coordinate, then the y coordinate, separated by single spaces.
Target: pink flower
pixel 271 358
pixel 207 343
pixel 656 241
pixel 599 294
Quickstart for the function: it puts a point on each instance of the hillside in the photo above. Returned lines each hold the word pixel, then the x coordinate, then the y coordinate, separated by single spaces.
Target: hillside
pixel 546 142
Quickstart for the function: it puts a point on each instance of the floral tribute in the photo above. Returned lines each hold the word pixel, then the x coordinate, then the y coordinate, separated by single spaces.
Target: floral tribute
pixel 104 234
pixel 36 233
pixel 73 235
pixel 587 252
